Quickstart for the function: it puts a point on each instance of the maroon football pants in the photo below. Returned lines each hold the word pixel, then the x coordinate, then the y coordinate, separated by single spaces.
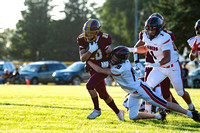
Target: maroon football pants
pixel 96 81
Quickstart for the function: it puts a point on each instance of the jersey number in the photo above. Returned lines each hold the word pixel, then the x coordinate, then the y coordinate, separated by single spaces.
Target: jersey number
pixel 98 55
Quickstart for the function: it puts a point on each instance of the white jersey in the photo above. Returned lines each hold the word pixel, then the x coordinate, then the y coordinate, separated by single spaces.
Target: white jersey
pixel 192 40
pixel 159 44
pixel 123 74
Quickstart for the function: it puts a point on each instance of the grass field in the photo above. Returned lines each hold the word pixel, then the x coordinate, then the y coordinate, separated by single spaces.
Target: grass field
pixel 50 108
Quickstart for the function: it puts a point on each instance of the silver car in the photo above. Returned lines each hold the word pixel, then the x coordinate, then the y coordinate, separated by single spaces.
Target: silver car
pixel 194 78
pixel 40 72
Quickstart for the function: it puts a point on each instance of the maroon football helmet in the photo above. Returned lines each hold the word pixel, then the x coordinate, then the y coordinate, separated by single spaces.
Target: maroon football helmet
pixel 91 30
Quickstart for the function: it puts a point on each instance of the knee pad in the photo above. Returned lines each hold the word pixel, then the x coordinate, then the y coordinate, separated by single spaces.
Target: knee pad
pixel 180 93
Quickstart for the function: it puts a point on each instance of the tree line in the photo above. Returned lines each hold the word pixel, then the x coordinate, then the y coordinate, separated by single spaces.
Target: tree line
pixel 38 37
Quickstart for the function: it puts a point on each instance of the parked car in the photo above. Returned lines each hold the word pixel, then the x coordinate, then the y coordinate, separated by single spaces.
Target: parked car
pixel 6 65
pixel 74 74
pixel 194 78
pixel 40 72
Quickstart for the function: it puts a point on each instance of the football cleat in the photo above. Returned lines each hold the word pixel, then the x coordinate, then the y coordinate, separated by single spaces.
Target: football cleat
pixel 193 110
pixel 196 116
pixel 95 113
pixel 120 115
pixel 163 115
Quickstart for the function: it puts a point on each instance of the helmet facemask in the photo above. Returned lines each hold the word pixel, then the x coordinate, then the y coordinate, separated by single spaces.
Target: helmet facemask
pixel 156 31
pixel 119 55
pixel 91 30
pixel 90 36
pixel 153 24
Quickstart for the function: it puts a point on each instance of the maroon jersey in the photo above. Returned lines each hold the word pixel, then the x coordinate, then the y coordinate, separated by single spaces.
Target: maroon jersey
pixel 103 42
pixel 148 57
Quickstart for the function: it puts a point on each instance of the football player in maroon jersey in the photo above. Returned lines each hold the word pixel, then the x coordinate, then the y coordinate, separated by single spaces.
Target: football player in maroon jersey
pixel 94 45
pixel 165 84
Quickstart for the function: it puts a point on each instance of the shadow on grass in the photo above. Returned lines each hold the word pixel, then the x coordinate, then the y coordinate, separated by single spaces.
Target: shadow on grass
pixel 179 126
pixel 43 106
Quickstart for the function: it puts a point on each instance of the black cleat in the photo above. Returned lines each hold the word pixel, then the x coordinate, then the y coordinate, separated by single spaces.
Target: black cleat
pixel 196 116
pixel 193 110
pixel 163 115
pixel 153 109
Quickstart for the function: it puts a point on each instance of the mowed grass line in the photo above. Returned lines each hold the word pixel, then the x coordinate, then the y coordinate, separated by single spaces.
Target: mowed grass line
pixel 51 108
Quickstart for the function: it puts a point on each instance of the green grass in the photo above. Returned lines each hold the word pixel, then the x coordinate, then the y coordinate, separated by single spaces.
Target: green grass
pixel 50 108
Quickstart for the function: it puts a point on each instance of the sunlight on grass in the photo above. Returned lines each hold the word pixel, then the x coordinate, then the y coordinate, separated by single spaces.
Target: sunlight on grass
pixel 51 108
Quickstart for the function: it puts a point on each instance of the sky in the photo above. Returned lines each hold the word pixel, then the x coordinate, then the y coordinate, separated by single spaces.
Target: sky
pixel 10 11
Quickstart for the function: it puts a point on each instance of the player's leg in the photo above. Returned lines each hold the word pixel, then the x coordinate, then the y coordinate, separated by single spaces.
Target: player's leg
pixel 103 94
pixel 165 88
pixel 133 102
pixel 153 79
pixel 93 94
pixel 151 97
pixel 177 82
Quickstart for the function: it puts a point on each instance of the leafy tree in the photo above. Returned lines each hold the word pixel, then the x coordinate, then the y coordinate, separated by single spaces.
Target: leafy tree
pixel 4 43
pixel 118 19
pixel 61 44
pixel 31 32
pixel 180 16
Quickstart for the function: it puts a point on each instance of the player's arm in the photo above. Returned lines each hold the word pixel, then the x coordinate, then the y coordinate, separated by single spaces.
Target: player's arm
pixel 193 52
pixel 84 56
pixel 166 58
pixel 192 55
pixel 141 49
pixel 139 43
pixel 98 69
pixel 108 50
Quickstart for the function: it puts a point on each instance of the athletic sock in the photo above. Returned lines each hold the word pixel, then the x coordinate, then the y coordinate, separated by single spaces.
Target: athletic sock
pixel 191 106
pixel 113 106
pixel 95 101
pixel 158 116
pixel 148 108
pixel 189 113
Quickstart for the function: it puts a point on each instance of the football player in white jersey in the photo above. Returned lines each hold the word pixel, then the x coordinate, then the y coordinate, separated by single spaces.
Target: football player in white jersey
pixel 160 46
pixel 194 42
pixel 123 74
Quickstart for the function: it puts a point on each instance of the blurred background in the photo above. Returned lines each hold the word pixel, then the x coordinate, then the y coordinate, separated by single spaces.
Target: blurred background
pixel 42 30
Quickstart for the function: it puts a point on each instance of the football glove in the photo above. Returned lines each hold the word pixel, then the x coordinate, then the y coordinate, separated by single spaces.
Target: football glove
pixel 93 47
pixel 104 64
pixel 148 64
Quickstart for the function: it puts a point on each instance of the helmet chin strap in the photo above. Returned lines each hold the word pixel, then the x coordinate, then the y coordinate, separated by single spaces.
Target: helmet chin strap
pixel 97 39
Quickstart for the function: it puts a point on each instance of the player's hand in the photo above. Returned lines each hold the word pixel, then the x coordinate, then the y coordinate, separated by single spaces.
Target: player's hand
pixel 93 47
pixel 195 45
pixel 148 64
pixel 105 64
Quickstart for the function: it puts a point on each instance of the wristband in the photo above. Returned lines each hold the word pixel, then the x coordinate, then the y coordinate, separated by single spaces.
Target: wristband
pixel 134 50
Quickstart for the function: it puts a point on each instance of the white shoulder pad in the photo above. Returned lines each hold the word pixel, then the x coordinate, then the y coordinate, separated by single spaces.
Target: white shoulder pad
pixel 162 38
